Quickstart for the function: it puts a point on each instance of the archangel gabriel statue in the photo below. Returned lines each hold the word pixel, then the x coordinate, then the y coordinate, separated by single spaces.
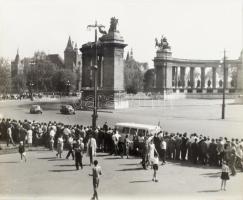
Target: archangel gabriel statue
pixel 113 24
pixel 163 44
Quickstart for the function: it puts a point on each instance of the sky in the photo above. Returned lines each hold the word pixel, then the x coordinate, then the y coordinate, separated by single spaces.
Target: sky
pixel 195 29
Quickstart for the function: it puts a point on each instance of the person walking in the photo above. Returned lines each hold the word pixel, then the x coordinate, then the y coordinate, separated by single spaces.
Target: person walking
pixel 151 151
pixel 224 175
pixel 155 167
pixel 9 135
pixel 22 151
pixel 91 146
pixel 96 172
pixel 127 145
pixel 163 151
pixel 29 137
pixel 70 147
pixel 51 137
pixel 79 151
pixel 59 147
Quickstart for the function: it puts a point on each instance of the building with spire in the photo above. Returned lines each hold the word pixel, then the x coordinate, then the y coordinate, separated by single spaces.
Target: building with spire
pixel 72 60
pixel 17 66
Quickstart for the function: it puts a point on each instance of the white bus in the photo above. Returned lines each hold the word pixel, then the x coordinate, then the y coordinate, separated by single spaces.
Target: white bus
pixel 138 130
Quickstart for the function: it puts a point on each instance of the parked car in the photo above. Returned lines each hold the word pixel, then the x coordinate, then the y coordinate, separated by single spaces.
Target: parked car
pixel 67 109
pixel 36 109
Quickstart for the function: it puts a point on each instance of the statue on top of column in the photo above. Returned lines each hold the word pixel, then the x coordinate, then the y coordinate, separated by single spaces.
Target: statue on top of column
pixel 163 44
pixel 113 24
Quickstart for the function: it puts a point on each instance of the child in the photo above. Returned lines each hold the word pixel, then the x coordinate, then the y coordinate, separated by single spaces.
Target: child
pixel 155 167
pixel 96 175
pixel 22 150
pixel 224 174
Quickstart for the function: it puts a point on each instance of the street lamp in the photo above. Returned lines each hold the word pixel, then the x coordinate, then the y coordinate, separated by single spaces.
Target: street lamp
pixel 67 87
pixel 95 67
pixel 224 86
pixel 30 89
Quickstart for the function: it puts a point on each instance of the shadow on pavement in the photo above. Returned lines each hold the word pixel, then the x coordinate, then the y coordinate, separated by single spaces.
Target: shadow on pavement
pixel 208 191
pixel 57 159
pixel 113 158
pixel 189 164
pixel 102 155
pixel 212 175
pixel 9 162
pixel 70 165
pixel 62 170
pixel 46 158
pixel 140 181
pixel 130 164
pixel 130 169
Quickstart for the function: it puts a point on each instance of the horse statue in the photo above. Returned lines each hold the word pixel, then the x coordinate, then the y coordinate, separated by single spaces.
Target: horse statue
pixel 163 44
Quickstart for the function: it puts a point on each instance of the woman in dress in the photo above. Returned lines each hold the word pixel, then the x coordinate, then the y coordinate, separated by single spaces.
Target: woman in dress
pixel 151 151
pixel 224 175
pixel 59 147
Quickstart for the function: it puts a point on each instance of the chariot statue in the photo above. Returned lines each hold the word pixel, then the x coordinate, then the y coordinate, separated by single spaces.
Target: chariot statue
pixel 163 44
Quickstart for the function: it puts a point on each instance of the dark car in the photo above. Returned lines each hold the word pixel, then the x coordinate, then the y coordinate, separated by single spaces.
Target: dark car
pixel 36 109
pixel 67 109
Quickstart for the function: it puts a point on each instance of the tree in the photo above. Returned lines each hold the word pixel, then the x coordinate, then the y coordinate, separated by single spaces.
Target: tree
pixel 5 81
pixel 133 76
pixel 149 80
pixel 40 72
pixel 61 79
pixel 19 82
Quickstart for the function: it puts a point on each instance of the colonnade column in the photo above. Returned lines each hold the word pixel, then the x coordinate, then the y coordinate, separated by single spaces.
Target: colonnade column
pixel 192 82
pixel 202 77
pixel 214 77
pixel 182 76
pixel 176 77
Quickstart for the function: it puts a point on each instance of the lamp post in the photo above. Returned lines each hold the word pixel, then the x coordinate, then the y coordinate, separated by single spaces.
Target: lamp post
pixel 224 86
pixel 67 87
pixel 30 89
pixel 95 67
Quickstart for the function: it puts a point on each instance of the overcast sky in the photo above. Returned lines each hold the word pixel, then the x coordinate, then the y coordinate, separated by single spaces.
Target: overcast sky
pixel 196 29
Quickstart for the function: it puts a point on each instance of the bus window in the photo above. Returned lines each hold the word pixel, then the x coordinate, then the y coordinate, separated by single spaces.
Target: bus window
pixel 125 130
pixel 133 131
pixel 141 132
pixel 119 129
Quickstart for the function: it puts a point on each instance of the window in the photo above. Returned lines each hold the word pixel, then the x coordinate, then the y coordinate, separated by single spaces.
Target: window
pixel 141 132
pixel 125 130
pixel 133 131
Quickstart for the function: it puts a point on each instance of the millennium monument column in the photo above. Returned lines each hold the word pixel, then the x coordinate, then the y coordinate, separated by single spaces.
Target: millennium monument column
pixel 162 65
pixel 110 67
pixel 240 74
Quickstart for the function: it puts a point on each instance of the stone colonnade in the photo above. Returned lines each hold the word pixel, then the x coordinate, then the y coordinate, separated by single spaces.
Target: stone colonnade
pixel 179 78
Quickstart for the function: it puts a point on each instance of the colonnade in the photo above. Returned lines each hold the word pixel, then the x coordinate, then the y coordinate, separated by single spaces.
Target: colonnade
pixel 179 78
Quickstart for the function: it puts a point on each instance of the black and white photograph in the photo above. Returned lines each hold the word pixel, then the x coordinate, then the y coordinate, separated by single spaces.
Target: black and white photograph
pixel 121 99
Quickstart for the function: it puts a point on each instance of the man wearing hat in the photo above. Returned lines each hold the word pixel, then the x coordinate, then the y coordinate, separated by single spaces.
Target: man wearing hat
pixel 79 151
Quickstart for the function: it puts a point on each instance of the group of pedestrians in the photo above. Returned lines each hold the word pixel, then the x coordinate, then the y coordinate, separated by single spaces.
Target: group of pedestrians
pixel 78 140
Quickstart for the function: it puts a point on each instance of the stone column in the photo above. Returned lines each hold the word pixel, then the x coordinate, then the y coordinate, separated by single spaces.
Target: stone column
pixel 182 76
pixel 192 82
pixel 168 77
pixel 202 77
pixel 214 77
pixel 176 77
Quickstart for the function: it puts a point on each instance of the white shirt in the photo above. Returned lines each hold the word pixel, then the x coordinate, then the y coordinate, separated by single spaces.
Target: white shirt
pixel 163 145
pixel 52 133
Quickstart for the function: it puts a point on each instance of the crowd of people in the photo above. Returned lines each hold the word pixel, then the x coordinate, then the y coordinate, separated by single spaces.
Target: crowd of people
pixel 78 139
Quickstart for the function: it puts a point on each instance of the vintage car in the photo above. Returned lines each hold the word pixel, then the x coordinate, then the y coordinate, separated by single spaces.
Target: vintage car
pixel 67 109
pixel 36 109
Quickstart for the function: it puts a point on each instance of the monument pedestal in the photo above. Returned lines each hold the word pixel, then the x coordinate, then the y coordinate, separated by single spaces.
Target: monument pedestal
pixel 106 99
pixel 110 70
